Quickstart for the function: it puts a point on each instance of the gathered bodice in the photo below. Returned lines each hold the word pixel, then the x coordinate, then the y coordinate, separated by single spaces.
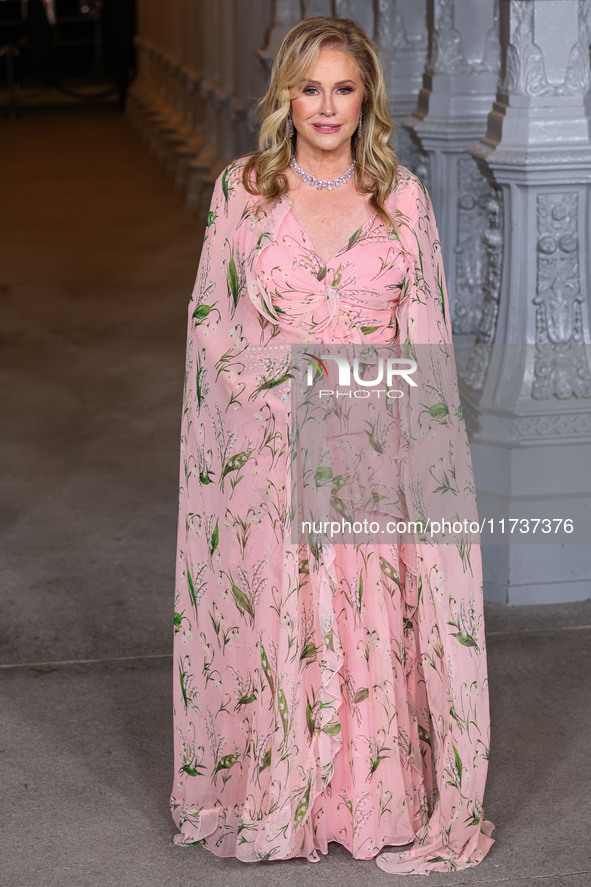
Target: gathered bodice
pixel 350 298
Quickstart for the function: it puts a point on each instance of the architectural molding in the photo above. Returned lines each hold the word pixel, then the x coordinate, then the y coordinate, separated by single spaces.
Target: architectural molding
pixel 459 85
pixel 472 215
pixel 534 400
pixel 474 373
pixel 447 52
pixel 525 65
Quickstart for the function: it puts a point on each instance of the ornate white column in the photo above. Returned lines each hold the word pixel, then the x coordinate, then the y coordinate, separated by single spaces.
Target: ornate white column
pixel 286 14
pixel 401 34
pixel 458 88
pixel 527 383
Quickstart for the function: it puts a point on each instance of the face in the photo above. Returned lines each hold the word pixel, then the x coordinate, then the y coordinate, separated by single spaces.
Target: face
pixel 325 107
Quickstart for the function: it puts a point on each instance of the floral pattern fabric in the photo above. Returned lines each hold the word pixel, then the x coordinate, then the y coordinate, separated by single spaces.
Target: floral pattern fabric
pixel 341 300
pixel 332 692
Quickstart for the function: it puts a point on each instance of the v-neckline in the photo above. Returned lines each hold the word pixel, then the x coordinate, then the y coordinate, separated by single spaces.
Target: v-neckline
pixel 310 241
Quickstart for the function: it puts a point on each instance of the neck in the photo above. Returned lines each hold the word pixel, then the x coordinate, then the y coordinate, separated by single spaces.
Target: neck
pixel 324 164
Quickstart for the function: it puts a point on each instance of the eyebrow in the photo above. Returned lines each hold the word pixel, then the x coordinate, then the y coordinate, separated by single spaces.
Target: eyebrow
pixel 340 83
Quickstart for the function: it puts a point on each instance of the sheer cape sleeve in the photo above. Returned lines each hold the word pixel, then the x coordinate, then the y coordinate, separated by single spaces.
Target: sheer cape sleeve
pixel 438 481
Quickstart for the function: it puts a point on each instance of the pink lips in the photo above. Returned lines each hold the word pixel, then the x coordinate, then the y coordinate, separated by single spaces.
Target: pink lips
pixel 322 127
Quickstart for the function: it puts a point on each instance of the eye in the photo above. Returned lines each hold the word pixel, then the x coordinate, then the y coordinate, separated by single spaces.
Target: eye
pixel 345 89
pixel 309 90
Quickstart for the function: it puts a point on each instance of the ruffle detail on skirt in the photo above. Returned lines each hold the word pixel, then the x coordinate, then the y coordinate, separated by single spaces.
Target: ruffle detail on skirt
pixel 196 825
pixel 219 830
pixel 440 855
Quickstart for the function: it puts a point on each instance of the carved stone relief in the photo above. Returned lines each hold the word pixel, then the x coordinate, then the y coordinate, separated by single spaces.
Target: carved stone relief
pixel 472 418
pixel 561 369
pixel 390 25
pixel 423 169
pixel 577 70
pixel 525 69
pixel 401 34
pixel 555 425
pixel 474 373
pixel 447 52
pixel 390 28
pixel 492 238
pixel 411 156
pixel 471 220
pixel 491 60
pixel 359 10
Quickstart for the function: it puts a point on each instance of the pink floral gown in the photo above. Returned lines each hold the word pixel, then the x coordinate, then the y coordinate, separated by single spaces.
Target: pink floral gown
pixel 339 695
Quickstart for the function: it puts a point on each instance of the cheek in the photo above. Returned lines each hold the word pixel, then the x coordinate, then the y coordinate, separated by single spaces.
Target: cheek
pixel 302 107
pixel 350 109
pixel 356 107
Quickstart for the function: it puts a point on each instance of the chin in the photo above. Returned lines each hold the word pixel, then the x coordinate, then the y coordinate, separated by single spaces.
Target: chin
pixel 330 140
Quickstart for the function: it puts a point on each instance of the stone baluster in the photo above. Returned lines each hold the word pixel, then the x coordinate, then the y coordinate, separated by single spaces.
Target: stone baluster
pixel 231 46
pixel 527 383
pixel 187 142
pixel 172 142
pixel 200 169
pixel 194 74
pixel 143 93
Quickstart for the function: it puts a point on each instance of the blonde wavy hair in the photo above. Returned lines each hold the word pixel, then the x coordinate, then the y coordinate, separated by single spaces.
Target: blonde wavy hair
pixel 374 156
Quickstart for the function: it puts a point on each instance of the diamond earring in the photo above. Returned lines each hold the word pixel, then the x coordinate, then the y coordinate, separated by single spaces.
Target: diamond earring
pixel 360 125
pixel 289 126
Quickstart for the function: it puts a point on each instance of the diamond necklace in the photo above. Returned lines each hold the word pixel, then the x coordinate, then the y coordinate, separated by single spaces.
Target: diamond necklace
pixel 321 183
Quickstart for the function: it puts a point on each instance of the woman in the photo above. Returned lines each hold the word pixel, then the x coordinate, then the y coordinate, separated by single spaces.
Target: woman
pixel 324 692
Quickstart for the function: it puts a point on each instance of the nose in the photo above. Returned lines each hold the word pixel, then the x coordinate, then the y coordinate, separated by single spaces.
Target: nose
pixel 327 106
